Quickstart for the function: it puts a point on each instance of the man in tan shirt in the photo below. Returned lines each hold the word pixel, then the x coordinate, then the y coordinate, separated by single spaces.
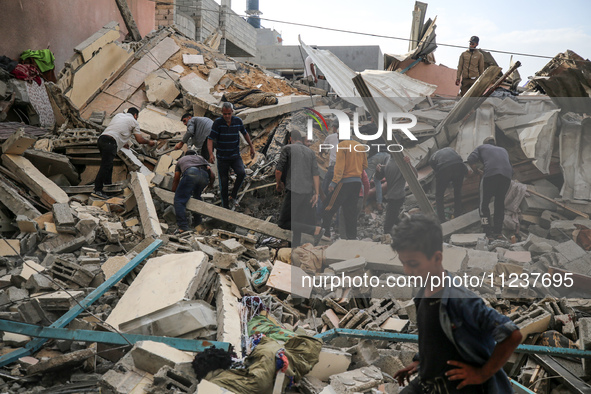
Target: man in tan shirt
pixel 470 66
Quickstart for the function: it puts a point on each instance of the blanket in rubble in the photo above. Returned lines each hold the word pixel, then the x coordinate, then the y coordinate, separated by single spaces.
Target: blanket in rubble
pixel 259 375
pixel 253 98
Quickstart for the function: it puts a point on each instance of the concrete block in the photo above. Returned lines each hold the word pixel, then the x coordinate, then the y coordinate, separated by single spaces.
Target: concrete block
pixel 29 269
pixel 60 300
pixel 125 379
pixel 148 214
pixel 26 225
pixel 330 362
pixel 358 380
pixel 389 364
pixel 547 217
pixel 364 354
pixel 30 313
pixel 465 239
pixel 150 356
pixel 330 318
pixel 113 231
pixel 14 339
pixel 540 248
pixel 113 265
pixel 539 231
pixel 241 277
pixel 179 319
pixel 585 341
pixel 232 246
pixel 570 250
pixel 67 271
pixel 224 261
pixel 394 324
pixel 378 256
pixel 15 294
pixel 481 259
pixel 348 265
pixel 163 281
pixel 168 378
pixel 533 321
pixel 288 278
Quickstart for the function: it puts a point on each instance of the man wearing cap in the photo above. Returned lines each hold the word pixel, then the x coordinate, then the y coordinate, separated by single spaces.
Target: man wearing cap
pixel 470 66
pixel 191 175
pixel 495 182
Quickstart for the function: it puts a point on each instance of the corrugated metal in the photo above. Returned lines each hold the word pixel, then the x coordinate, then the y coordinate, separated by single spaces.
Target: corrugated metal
pixel 393 92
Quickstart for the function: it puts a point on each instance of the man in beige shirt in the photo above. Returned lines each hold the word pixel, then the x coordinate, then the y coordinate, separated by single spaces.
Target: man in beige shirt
pixel 470 66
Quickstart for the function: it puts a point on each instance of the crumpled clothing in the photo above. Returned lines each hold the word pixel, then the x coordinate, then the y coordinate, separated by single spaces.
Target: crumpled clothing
pixel 43 58
pixel 27 72
pixel 262 325
pixel 281 361
pixel 253 98
pixel 7 63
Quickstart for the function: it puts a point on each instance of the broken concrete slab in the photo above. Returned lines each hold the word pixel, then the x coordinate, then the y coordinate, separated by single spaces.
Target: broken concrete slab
pixel 570 250
pixel 330 362
pixel 26 225
pixel 190 59
pixel 179 319
pixel 228 314
pixel 348 265
pixel 148 214
pixel 395 325
pixel 14 340
pixel 483 260
pixel 198 87
pixel 215 75
pixel 107 34
pixel 38 183
pixel 232 246
pixel 154 121
pixel 17 204
pixel 150 356
pixel 288 278
pixel 10 247
pixel 378 256
pixel 162 282
pixel 17 143
pixel 113 264
pixel 284 105
pixel 50 164
pixel 357 380
pixel 466 239
pixel 161 86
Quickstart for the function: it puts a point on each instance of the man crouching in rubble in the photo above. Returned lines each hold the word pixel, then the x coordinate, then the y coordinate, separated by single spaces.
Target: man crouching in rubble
pixel 463 344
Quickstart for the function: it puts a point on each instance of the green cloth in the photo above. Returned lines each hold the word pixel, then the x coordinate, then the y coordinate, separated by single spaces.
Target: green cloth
pixel 261 325
pixel 43 57
pixel 259 377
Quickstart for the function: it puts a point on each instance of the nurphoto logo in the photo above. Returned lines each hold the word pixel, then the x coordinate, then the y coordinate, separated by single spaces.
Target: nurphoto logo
pixel 393 122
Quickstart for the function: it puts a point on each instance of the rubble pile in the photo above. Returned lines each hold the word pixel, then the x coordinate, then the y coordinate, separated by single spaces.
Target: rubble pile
pixel 104 295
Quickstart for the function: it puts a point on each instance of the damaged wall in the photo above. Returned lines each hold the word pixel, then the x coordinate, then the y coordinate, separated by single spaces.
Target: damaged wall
pixel 21 29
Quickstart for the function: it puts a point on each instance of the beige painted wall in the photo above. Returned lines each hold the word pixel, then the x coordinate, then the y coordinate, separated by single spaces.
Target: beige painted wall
pixel 60 25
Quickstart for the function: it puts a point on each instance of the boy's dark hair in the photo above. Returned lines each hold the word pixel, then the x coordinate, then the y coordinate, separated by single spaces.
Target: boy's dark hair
pixel 420 233
pixel 187 115
pixel 190 152
pixel 133 111
pixel 296 136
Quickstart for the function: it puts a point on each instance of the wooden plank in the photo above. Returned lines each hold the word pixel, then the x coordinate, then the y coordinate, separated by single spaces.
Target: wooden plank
pixel 572 210
pixel 225 215
pixel 39 184
pixel 128 19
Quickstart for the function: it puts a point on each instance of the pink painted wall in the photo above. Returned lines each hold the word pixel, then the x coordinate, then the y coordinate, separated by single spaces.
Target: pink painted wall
pixel 60 25
pixel 442 76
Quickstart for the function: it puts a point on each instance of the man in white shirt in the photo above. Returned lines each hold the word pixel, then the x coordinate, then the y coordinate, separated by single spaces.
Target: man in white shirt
pixel 115 137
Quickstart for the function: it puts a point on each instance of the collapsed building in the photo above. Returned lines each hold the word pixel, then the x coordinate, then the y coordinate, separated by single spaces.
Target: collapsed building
pixel 102 295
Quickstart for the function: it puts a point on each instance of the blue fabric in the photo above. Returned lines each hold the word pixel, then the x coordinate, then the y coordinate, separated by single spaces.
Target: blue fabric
pixel 227 138
pixel 224 166
pixel 192 183
pixel 474 329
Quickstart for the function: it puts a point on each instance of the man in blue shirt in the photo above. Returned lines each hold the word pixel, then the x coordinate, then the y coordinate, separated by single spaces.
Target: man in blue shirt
pixel 463 344
pixel 225 132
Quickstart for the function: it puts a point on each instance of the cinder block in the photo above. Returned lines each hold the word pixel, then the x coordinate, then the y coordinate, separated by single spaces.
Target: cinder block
pixel 570 250
pixel 150 356
pixel 233 246
pixel 533 321
pixel 330 362
pixel 225 261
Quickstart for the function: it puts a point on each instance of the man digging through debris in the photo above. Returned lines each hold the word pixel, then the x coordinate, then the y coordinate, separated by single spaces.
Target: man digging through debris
pixel 302 182
pixel 115 137
pixel 192 174
pixel 225 132
pixel 198 129
pixel 463 344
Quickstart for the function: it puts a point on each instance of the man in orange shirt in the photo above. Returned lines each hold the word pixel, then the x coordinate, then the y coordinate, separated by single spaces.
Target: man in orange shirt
pixel 344 189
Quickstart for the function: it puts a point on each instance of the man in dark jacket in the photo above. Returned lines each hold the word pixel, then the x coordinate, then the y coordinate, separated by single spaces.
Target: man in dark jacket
pixel 495 182
pixel 470 66
pixel 449 167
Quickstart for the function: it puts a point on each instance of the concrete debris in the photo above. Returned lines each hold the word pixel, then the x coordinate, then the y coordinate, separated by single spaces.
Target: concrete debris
pixel 61 241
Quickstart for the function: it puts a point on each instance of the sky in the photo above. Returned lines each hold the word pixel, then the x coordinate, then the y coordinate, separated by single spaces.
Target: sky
pixel 540 27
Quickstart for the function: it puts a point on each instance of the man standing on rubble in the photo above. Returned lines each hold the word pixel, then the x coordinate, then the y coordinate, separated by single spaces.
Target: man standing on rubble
pixel 395 195
pixel 302 181
pixel 470 66
pixel 191 175
pixel 115 137
pixel 225 132
pixel 198 129
pixel 344 188
pixel 463 344
pixel 449 167
pixel 495 182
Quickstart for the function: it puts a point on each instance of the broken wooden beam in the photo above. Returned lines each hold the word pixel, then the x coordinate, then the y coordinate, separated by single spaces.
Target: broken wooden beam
pixel 561 205
pixel 30 176
pixel 129 20
pixel 145 204
pixel 225 215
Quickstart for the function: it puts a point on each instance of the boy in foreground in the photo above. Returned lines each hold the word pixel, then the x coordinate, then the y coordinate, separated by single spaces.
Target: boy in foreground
pixel 463 344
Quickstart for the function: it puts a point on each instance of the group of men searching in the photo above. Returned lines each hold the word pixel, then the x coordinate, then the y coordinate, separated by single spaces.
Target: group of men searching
pixel 193 172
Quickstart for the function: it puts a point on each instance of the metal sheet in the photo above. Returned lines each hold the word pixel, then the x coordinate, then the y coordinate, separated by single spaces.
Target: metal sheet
pixel 575 160
pixel 394 92
pixel 475 130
